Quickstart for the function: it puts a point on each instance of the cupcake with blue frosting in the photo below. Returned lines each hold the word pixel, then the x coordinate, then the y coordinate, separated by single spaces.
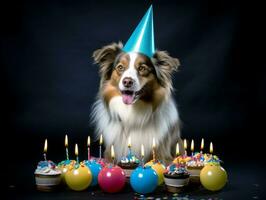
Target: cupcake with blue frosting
pixel 129 163
pixel 176 177
pixel 47 176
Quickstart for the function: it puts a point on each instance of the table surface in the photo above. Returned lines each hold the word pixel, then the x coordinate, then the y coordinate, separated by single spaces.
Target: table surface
pixel 244 182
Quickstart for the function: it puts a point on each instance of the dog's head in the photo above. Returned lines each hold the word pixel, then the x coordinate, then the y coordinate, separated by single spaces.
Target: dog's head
pixel 134 76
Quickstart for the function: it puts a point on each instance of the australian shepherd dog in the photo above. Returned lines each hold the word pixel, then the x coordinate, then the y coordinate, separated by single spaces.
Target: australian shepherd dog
pixel 135 99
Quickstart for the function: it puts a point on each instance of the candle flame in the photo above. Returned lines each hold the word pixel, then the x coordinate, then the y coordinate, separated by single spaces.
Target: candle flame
pixel 177 149
pixel 76 150
pixel 89 141
pixel 45 146
pixel 202 144
pixel 142 151
pixel 185 144
pixel 112 152
pixel 66 141
pixel 153 143
pixel 211 148
pixel 192 145
pixel 101 139
pixel 129 141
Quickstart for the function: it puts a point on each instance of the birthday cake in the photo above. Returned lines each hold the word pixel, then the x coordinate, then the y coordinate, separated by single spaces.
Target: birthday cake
pixel 194 166
pixel 176 177
pixel 47 176
pixel 129 163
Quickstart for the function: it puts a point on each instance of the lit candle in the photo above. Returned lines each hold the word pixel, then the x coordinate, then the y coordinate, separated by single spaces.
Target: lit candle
pixel 192 147
pixel 77 153
pixel 113 154
pixel 45 149
pixel 153 149
pixel 177 151
pixel 129 145
pixel 101 142
pixel 88 145
pixel 142 155
pixel 211 148
pixel 185 146
pixel 66 145
pixel 201 145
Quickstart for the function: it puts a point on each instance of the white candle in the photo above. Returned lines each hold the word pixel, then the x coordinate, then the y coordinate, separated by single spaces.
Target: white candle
pixel 77 153
pixel 101 142
pixel 177 150
pixel 45 149
pixel 66 145
pixel 153 149
pixel 88 145
pixel 113 154
pixel 201 145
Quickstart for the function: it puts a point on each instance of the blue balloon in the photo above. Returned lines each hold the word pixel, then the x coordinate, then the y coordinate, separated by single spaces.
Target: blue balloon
pixel 95 169
pixel 144 180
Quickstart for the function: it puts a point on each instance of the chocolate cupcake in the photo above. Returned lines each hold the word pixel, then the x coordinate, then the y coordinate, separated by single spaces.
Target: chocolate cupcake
pixel 176 177
pixel 129 163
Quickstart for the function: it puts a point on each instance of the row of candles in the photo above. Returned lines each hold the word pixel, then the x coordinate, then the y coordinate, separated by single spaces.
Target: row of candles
pixel 129 147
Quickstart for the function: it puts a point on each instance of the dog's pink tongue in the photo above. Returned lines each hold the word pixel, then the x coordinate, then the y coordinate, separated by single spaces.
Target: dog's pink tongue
pixel 127 99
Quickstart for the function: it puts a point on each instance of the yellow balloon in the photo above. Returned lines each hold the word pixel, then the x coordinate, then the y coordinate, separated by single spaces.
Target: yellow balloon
pixel 78 179
pixel 64 168
pixel 213 177
pixel 159 168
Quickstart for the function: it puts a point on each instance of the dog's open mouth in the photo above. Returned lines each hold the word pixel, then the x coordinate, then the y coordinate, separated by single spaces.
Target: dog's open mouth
pixel 129 96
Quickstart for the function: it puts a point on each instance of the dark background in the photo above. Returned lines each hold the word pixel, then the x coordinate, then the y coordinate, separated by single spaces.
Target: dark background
pixel 50 82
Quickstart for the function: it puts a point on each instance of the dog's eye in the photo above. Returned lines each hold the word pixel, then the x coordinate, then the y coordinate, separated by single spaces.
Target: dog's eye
pixel 120 68
pixel 141 68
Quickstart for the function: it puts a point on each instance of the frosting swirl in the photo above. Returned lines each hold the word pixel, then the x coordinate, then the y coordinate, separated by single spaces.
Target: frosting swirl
pixel 176 169
pixel 47 168
pixel 130 158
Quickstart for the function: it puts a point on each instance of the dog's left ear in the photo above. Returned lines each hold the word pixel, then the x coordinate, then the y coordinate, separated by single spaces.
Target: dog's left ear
pixel 105 58
pixel 164 65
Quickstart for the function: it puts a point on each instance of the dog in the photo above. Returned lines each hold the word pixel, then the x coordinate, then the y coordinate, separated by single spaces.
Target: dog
pixel 135 99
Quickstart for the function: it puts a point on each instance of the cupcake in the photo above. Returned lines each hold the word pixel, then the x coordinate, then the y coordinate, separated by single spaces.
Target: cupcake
pixel 47 176
pixel 176 177
pixel 194 166
pixel 129 163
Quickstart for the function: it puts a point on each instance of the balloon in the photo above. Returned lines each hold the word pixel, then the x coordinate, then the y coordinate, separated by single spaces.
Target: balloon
pixel 159 168
pixel 63 166
pixel 95 169
pixel 112 179
pixel 78 177
pixel 144 180
pixel 213 177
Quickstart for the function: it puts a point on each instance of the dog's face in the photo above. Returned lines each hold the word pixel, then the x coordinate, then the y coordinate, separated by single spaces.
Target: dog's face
pixel 134 76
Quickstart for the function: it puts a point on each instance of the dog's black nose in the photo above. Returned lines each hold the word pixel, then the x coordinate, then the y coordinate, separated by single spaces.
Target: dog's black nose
pixel 127 82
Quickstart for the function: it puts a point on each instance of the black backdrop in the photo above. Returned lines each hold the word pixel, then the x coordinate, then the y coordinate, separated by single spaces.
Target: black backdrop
pixel 50 82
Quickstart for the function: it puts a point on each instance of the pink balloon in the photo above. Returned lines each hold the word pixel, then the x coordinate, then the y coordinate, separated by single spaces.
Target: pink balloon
pixel 112 179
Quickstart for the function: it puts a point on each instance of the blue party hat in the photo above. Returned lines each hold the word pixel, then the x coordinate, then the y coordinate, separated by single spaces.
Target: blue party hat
pixel 142 39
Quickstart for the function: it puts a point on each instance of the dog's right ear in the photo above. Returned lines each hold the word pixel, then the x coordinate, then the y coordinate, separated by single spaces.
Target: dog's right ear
pixel 105 58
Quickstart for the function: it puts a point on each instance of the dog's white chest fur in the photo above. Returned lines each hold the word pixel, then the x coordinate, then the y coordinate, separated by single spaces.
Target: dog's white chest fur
pixel 138 121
